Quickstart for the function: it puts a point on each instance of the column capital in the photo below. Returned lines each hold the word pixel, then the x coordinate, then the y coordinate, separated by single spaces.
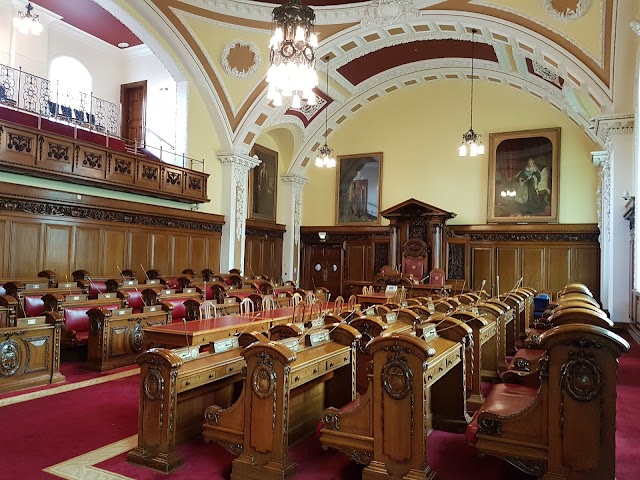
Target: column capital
pixel 606 125
pixel 600 158
pixel 294 179
pixel 239 160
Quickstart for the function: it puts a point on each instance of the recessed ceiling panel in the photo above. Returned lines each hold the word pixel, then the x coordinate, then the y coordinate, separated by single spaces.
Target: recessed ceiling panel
pixel 387 58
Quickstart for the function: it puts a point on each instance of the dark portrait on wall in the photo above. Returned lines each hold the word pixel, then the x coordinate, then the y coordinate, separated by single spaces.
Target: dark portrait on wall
pixel 358 187
pixel 523 176
pixel 263 185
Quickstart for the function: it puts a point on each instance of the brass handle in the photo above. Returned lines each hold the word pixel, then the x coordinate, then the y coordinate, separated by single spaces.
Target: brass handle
pixel 211 375
pixel 315 370
pixel 429 377
pixel 439 369
pixel 296 378
pixel 188 382
pixel 231 369
pixel 331 365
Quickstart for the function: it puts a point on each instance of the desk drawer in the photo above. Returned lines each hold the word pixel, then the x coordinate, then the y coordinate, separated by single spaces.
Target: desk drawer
pixel 302 376
pixel 337 361
pixel 230 369
pixel 195 380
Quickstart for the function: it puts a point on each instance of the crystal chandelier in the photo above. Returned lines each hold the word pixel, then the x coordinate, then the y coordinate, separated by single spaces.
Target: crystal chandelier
pixel 293 44
pixel 27 22
pixel 325 154
pixel 471 138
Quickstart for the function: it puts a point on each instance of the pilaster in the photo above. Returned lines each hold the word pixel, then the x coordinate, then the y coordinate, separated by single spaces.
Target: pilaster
pixel 616 177
pixel 235 175
pixel 293 185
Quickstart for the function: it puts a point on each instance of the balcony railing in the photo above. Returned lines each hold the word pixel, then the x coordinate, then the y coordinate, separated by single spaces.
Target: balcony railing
pixel 28 92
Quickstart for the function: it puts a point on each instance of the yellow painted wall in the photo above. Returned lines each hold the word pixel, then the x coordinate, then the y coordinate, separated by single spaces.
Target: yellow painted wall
pixel 419 129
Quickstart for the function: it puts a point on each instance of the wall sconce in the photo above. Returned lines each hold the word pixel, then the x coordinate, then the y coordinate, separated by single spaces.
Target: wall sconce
pixel 322 236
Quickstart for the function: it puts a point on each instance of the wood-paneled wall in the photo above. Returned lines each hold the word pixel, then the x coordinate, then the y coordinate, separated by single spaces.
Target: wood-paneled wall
pixel 546 257
pixel 263 249
pixel 57 231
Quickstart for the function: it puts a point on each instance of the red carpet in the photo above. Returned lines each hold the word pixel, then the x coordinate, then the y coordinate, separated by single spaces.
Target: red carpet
pixel 47 431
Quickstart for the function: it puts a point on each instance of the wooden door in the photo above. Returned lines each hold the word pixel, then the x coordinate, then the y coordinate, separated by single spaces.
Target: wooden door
pixel 325 268
pixel 133 98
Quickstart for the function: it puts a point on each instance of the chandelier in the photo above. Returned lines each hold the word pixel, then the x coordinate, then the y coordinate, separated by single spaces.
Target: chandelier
pixel 293 44
pixel 325 154
pixel 27 22
pixel 471 138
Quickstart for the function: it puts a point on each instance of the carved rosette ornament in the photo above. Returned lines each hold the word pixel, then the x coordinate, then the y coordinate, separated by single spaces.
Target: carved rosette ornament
pixel 153 385
pixel 385 12
pixel 240 59
pixel 580 376
pixel 568 10
pixel 19 143
pixel 397 378
pixel 489 424
pixel 240 165
pixel 10 357
pixel 136 338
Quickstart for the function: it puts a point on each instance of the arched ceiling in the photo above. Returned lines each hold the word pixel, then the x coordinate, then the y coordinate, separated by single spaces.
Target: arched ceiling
pixel 557 50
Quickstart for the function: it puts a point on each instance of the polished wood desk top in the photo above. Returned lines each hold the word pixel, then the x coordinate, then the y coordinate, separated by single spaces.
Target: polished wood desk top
pixel 199 332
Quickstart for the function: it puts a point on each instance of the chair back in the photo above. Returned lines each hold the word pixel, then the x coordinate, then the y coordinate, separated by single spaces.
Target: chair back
pixel 351 304
pixel 207 310
pixel 339 305
pixel 310 298
pixel 246 306
pixel 268 303
pixel 296 298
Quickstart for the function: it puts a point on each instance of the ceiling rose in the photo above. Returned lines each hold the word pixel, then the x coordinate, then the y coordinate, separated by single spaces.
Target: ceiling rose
pixel 566 9
pixel 240 59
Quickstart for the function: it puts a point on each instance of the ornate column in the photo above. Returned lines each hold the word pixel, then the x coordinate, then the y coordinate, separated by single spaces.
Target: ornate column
pixel 601 160
pixel 616 177
pixel 393 255
pixel 293 185
pixel 235 175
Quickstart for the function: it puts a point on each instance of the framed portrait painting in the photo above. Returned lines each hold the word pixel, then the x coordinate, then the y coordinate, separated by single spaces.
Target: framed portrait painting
pixel 523 176
pixel 263 185
pixel 358 189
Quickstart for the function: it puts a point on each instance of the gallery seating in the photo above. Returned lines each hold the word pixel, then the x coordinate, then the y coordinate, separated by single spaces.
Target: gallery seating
pixel 565 427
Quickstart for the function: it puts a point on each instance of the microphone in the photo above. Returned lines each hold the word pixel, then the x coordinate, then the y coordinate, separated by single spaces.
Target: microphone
pixel 145 272
pixel 423 279
pixel 463 285
pixel 248 324
pixel 484 282
pixel 184 324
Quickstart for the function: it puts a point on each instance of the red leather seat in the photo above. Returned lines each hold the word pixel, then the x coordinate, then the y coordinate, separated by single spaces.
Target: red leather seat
pixel 135 301
pixel 352 405
pixel 97 287
pixel 179 310
pixel 172 282
pixel 76 320
pixel 33 305
pixel 528 354
pixel 505 399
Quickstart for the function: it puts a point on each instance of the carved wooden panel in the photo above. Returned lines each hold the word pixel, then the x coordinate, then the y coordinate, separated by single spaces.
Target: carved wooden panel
pixel 55 154
pixel 356 260
pixel 90 162
pixel 198 249
pixel 58 249
pixel 559 267
pixel 120 169
pixel 25 249
pixel 213 253
pixel 533 267
pixel 172 180
pixel 162 253
pixel 39 352
pixel 3 255
pixel 583 261
pixel 482 266
pixel 139 248
pixel 115 253
pixel 195 185
pixel 181 257
pixel 253 256
pixel 148 175
pixel 88 251
pixel 508 267
pixel 18 146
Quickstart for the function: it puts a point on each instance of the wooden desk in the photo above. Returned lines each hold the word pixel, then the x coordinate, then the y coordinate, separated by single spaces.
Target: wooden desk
pixel 200 332
pixel 175 388
pixel 282 398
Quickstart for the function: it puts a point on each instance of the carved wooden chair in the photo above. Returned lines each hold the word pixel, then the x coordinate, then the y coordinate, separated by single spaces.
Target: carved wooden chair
pixel 415 255
pixel 268 303
pixel 565 427
pixel 338 305
pixel 246 306
pixel 296 298
pixel 352 302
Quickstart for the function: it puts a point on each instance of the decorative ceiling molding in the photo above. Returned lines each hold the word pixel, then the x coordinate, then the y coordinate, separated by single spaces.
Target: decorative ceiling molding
pixel 569 14
pixel 233 70
pixel 606 125
pixel 387 12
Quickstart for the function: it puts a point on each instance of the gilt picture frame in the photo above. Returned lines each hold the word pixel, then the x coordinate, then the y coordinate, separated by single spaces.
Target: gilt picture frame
pixel 263 185
pixel 523 176
pixel 358 188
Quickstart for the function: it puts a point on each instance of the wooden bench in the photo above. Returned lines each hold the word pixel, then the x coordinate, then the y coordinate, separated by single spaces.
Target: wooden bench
pixel 29 296
pixel 116 336
pixel 386 428
pixel 283 394
pixel 175 388
pixel 172 302
pixel 30 354
pixel 565 427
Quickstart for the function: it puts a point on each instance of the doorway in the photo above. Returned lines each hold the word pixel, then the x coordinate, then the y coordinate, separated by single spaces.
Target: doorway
pixel 133 99
pixel 322 267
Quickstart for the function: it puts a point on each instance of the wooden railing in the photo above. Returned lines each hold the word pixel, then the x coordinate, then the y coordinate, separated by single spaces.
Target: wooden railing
pixel 36 152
